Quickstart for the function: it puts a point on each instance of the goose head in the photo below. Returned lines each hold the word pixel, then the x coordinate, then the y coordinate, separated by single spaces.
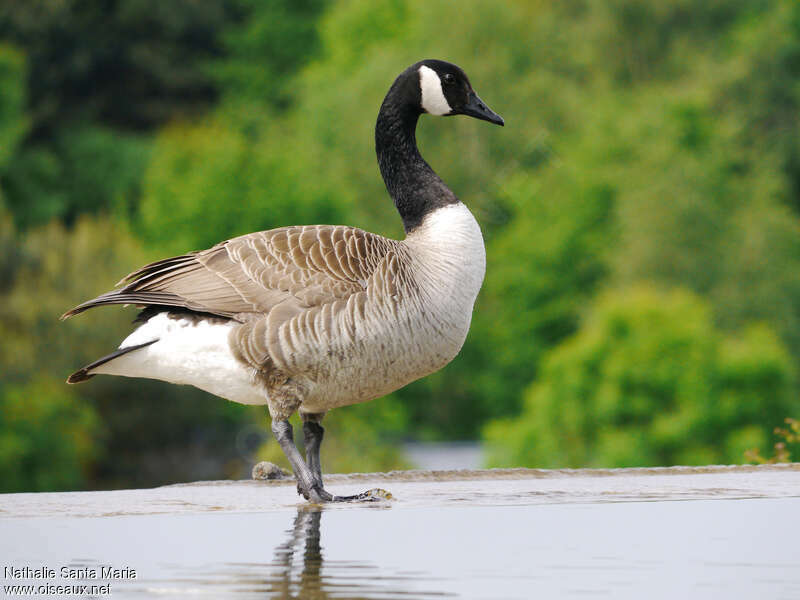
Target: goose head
pixel 437 88
pixel 445 90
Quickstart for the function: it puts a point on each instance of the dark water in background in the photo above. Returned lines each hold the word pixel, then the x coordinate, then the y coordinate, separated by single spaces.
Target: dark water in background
pixel 734 535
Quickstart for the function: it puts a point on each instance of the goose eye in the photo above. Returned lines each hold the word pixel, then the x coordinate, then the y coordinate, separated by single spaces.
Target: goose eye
pixel 449 78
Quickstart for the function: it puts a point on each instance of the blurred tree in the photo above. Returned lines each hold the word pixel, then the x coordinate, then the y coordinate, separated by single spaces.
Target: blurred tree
pixel 263 51
pixel 644 142
pixel 81 170
pixel 761 94
pixel 698 209
pixel 103 74
pixel 129 64
pixel 543 269
pixel 151 433
pixel 787 444
pixel 99 74
pixel 47 437
pixel 210 181
pixel 641 40
pixel 648 380
pixel 13 122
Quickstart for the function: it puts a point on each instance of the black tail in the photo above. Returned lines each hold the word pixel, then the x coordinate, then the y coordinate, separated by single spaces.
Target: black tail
pixel 83 374
pixel 121 297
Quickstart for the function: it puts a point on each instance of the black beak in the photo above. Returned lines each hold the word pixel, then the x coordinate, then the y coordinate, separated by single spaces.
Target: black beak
pixel 475 107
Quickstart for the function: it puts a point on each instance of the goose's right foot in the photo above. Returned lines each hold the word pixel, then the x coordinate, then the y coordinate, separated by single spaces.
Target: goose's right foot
pixel 316 494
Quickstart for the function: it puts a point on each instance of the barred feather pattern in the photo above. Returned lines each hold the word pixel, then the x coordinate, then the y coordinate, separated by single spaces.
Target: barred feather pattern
pixel 328 315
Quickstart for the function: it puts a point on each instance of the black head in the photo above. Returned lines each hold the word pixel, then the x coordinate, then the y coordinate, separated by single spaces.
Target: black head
pixel 445 91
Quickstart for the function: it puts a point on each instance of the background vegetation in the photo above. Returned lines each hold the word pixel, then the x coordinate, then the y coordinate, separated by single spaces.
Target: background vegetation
pixel 641 210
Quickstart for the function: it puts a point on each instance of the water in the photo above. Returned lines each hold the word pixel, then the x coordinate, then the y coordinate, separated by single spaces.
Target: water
pixel 444 455
pixel 729 533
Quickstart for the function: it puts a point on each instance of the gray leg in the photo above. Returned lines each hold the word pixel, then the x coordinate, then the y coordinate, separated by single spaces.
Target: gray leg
pixel 309 479
pixel 306 483
pixel 313 433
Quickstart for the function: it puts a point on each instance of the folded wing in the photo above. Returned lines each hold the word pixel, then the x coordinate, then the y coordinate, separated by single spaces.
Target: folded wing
pixel 299 267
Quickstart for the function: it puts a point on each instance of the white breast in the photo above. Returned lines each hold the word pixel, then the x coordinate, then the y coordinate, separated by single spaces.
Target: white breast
pixel 414 333
pixel 450 256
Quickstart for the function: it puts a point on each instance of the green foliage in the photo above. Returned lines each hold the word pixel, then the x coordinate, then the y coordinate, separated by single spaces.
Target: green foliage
pixel 48 433
pixel 131 64
pixel 534 292
pixel 645 141
pixel 151 432
pixel 649 380
pixel 12 101
pixel 230 173
pixel 54 269
pixel 788 442
pixel 210 181
pixel 698 209
pixel 47 437
pixel 268 44
pixel 98 74
pixel 761 92
pixel 141 63
pixel 78 171
pixel 643 40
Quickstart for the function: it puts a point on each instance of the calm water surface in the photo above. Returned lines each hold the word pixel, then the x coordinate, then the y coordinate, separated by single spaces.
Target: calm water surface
pixel 701 548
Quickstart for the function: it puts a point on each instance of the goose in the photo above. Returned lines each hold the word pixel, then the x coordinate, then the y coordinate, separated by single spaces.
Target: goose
pixel 310 318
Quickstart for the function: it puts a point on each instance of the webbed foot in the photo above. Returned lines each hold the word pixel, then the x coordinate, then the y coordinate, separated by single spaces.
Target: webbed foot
pixel 373 495
pixel 319 495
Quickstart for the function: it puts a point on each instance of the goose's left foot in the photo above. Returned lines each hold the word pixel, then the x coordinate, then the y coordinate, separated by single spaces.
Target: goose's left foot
pixel 373 495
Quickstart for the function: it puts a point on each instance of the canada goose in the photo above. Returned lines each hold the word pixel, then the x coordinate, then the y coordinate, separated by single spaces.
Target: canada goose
pixel 310 318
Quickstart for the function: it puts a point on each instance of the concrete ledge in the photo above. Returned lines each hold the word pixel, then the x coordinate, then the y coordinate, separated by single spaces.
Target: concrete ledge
pixel 498 487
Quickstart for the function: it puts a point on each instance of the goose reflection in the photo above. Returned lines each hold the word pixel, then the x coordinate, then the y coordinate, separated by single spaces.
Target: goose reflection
pixel 297 567
pixel 309 584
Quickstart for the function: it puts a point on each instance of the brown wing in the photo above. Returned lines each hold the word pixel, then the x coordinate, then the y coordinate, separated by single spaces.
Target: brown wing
pixel 295 267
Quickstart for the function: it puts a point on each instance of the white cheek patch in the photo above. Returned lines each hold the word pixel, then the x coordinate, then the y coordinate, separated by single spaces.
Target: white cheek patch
pixel 433 100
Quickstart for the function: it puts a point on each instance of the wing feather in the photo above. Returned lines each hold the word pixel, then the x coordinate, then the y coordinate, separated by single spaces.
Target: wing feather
pixel 291 267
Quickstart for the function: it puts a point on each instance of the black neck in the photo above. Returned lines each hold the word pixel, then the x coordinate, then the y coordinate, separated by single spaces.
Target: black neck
pixel 413 185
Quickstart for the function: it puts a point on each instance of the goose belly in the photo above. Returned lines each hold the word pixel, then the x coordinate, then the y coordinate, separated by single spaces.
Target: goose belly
pixel 189 351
